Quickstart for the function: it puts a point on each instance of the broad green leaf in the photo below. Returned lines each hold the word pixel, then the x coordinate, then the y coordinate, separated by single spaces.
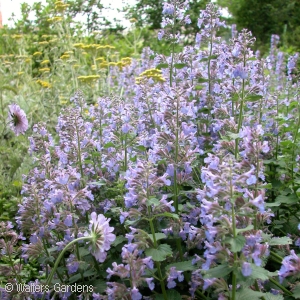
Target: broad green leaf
pixel 183 266
pixel 202 80
pixel 99 285
pixel 180 65
pixel 259 273
pixel 249 227
pixel 74 278
pixel 152 201
pixel 84 251
pixel 296 291
pixel 234 136
pixel 162 66
pixel 236 243
pixel 109 144
pixel 159 254
pixel 141 148
pixel 169 215
pixel 270 296
pixel 253 98
pixel 198 88
pixel 288 199
pixel 119 239
pixel 89 273
pixel 217 272
pixel 158 236
pixel 280 241
pixel 248 294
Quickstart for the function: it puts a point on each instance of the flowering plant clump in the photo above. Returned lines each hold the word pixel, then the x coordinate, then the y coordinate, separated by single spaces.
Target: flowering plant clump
pixel 175 177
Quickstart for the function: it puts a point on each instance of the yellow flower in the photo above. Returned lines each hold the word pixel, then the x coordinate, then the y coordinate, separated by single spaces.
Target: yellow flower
pixel 78 45
pixel 37 53
pixel 28 60
pixel 65 56
pixel 44 84
pixel 88 78
pixel 100 58
pixel 44 70
pixel 17 36
pixel 132 20
pixel 20 73
pixel 43 43
pixel 45 62
pixel 69 52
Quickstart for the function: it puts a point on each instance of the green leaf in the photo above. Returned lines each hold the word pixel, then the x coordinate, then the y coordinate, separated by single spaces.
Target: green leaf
pixel 202 80
pixel 159 254
pixel 183 266
pixel 248 294
pixel 109 144
pixel 171 294
pixel 249 227
pixel 198 88
pixel 259 273
pixel 288 199
pixel 270 296
pixel 89 273
pixel 280 241
pixel 84 251
pixel 141 148
pixel 162 66
pixel 217 272
pixel 152 201
pixel 236 243
pixel 158 236
pixel 74 278
pixel 169 215
pixel 296 291
pixel 99 285
pixel 180 65
pixel 234 136
pixel 252 58
pixel 119 239
pixel 253 98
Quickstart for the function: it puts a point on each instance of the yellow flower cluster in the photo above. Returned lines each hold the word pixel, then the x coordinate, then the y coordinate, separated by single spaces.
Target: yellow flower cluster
pixel 55 19
pixel 43 43
pixel 88 78
pixel 17 36
pixel 150 73
pixel 44 84
pixel 92 46
pixel 45 62
pixel 60 6
pixel 44 70
pixel 37 53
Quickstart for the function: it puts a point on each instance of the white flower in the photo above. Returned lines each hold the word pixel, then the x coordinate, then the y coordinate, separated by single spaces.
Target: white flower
pixel 17 119
pixel 102 236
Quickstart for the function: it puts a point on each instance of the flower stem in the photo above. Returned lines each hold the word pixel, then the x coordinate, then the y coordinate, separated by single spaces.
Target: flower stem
pixel 61 256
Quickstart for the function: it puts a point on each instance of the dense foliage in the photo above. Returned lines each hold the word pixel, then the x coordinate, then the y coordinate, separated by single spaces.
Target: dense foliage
pixel 163 176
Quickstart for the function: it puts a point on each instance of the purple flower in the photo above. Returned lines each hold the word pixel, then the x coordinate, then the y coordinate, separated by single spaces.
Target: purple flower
pixel 246 269
pixel 240 72
pixel 17 119
pixel 135 294
pixel 102 236
pixel 168 9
